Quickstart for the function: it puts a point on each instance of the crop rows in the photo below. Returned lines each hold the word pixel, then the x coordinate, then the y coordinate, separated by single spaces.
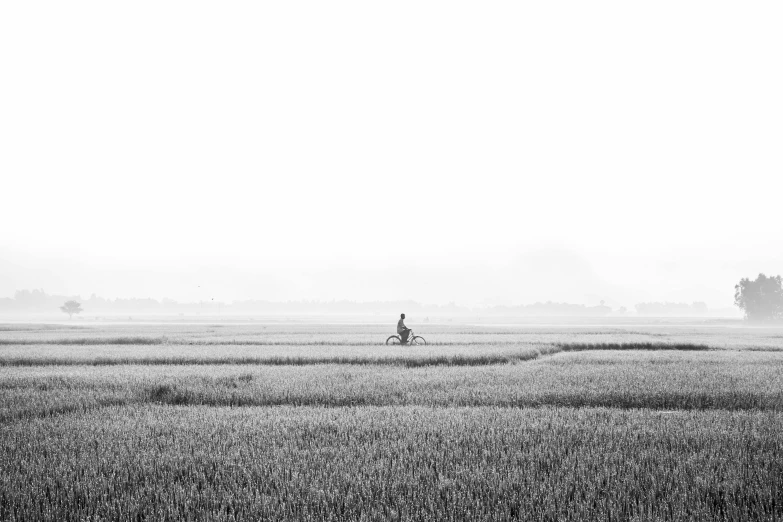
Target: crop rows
pixel 167 463
pixel 283 354
pixel 374 335
pixel 323 422
pixel 659 380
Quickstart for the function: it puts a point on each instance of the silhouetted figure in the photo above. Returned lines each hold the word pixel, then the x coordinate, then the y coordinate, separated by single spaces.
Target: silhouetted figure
pixel 403 330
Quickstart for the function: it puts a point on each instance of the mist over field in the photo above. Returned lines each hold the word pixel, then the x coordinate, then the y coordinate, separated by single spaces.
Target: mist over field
pixel 350 261
pixel 542 275
pixel 436 153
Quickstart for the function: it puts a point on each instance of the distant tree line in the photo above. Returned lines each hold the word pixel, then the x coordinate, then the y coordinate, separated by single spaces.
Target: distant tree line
pixel 674 309
pixel 38 301
pixel 552 309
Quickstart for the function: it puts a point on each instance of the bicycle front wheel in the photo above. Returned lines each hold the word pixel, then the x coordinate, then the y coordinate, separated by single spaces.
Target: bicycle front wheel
pixel 393 339
pixel 418 340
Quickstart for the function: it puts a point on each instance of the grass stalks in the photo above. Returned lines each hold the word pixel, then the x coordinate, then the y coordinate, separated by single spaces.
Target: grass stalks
pixel 408 362
pixel 573 347
pixel 84 341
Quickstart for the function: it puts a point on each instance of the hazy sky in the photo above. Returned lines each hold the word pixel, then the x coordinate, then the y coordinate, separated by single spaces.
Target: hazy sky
pixel 438 151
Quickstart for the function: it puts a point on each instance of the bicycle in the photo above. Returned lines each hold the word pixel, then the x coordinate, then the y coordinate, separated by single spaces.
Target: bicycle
pixel 414 340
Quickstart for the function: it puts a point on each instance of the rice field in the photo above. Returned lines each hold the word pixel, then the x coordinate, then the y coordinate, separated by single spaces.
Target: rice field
pixel 324 422
pixel 366 335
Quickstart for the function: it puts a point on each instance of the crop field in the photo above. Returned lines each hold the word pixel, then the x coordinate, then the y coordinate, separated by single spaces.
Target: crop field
pixel 270 421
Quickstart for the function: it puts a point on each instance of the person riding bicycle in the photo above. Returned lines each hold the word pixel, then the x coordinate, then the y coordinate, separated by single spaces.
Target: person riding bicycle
pixel 403 330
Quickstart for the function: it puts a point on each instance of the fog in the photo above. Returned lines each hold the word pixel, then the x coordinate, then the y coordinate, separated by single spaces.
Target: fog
pixel 439 152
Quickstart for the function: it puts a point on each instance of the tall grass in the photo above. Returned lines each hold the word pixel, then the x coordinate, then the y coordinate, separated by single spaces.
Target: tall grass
pixel 299 354
pixel 85 341
pixel 570 347
pixel 641 379
pixel 324 423
pixel 408 360
pixel 175 463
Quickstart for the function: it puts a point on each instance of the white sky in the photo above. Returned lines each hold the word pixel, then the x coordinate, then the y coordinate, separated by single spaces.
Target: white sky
pixel 437 151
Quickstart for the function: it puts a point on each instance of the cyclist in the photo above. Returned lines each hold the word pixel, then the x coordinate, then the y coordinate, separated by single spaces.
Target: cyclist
pixel 403 330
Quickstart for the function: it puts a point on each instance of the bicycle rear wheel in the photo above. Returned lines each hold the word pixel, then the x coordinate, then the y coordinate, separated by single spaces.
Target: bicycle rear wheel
pixel 418 340
pixel 394 339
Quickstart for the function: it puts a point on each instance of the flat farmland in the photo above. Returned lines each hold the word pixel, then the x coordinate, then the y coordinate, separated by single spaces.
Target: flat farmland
pixel 324 422
pixel 305 334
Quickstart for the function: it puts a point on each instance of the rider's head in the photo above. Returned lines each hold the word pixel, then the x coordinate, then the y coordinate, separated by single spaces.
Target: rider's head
pixel 402 316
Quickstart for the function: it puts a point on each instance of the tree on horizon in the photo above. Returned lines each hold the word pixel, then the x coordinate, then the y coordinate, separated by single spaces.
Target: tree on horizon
pixel 762 299
pixel 71 307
